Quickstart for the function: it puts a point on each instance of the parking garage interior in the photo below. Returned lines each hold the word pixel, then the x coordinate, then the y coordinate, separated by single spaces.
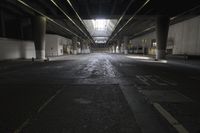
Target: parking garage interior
pixel 99 66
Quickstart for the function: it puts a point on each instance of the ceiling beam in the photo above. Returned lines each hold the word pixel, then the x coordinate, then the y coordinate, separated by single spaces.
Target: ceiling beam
pixel 48 18
pixel 80 19
pixel 119 20
pixel 130 19
pixel 67 16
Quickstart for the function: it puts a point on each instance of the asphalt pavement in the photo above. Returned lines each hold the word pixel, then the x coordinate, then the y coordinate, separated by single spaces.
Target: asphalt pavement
pixel 101 93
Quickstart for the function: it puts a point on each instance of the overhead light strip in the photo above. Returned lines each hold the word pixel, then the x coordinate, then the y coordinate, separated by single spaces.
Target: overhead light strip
pixel 130 3
pixel 179 15
pixel 133 16
pixel 78 17
pixel 69 18
pixel 50 19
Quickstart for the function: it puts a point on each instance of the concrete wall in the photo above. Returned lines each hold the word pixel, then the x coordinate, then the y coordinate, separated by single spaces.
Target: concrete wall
pixel 55 44
pixel 183 38
pixel 144 41
pixel 100 50
pixel 186 37
pixel 16 49
pixel 51 47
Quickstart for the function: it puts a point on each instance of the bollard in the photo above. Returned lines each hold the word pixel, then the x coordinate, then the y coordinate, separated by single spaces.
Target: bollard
pixel 32 59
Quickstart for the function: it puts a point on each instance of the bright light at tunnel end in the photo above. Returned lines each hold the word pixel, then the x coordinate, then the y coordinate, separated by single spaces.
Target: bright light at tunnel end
pixel 100 24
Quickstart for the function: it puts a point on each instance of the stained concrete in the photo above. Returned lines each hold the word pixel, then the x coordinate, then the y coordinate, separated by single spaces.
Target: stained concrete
pixel 97 93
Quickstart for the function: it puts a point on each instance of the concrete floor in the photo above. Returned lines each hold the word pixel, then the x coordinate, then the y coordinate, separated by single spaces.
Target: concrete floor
pixel 98 93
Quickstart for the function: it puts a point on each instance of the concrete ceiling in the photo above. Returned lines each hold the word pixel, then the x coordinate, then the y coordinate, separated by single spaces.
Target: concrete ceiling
pixel 99 9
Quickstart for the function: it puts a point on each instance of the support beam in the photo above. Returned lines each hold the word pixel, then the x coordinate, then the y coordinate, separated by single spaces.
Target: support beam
pixel 39 30
pixel 162 27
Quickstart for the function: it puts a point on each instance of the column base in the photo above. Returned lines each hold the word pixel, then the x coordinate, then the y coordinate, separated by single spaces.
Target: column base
pixel 125 51
pixel 121 51
pixel 40 54
pixel 75 52
pixel 160 54
pixel 110 51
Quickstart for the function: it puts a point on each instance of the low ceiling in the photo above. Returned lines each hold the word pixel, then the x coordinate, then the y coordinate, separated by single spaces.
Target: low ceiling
pixel 82 14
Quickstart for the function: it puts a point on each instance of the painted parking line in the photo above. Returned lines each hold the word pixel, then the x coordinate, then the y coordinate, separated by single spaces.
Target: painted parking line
pixel 143 79
pixel 19 129
pixel 26 122
pixel 154 79
pixel 176 124
pixel 49 100
pixel 166 81
pixel 195 78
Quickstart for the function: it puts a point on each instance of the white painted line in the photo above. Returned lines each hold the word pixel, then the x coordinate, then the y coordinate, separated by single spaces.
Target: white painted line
pixel 22 126
pixel 153 79
pixel 48 101
pixel 143 79
pixel 178 126
pixel 25 123
pixel 189 99
pixel 168 82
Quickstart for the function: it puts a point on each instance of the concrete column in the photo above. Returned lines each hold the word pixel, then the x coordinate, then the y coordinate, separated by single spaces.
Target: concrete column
pixel 119 46
pixel 39 30
pixel 162 27
pixel 85 47
pixel 122 48
pixel 125 44
pixel 110 48
pixel 2 24
pixel 115 48
pixel 137 48
pixel 74 44
pixel 81 45
pixel 68 49
pixel 88 48
pixel 21 31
